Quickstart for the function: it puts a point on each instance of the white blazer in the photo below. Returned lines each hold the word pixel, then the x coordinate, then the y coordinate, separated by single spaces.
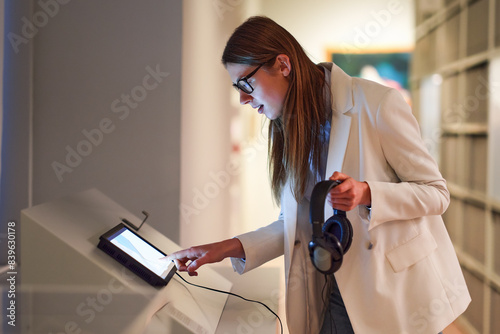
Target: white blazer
pixel 401 274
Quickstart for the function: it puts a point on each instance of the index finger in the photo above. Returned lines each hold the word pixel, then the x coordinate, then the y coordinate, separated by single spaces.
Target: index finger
pixel 175 256
pixel 191 253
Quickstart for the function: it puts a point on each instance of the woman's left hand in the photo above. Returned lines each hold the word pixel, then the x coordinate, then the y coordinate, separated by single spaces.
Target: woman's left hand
pixel 349 194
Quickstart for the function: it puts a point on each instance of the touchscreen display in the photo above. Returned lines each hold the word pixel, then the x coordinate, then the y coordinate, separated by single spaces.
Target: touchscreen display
pixel 141 251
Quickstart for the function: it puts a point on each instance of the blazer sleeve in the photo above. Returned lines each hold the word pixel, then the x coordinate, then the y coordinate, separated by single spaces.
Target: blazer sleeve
pixel 421 190
pixel 261 245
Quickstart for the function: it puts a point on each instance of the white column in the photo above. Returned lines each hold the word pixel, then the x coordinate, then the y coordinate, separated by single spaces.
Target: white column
pixel 206 177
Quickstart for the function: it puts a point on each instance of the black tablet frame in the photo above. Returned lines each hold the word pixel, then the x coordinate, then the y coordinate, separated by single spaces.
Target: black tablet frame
pixel 128 261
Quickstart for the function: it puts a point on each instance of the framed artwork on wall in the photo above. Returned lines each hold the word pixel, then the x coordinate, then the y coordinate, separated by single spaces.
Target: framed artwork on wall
pixel 388 68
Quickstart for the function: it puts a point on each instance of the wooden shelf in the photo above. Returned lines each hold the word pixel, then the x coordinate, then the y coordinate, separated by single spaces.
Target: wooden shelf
pixel 459 40
pixel 473 129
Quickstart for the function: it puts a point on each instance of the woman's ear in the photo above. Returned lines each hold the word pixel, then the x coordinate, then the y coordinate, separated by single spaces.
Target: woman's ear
pixel 284 64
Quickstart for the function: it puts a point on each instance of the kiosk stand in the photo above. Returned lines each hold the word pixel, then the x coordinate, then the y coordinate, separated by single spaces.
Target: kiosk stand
pixel 68 285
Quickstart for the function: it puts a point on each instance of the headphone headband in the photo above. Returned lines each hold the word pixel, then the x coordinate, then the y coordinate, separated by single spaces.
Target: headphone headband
pixel 317 207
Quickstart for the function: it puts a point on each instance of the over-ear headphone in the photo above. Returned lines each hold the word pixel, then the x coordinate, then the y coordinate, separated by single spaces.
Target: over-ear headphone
pixel 330 239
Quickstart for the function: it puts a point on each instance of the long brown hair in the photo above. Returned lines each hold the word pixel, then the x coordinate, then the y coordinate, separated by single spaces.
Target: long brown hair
pixel 295 137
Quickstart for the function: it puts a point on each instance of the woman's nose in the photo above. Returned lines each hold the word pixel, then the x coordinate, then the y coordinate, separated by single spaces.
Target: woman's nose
pixel 245 98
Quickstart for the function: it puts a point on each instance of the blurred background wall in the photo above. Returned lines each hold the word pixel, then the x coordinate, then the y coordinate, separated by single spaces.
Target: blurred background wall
pixel 93 100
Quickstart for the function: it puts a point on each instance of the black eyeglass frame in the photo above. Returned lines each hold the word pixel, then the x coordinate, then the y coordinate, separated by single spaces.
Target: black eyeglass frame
pixel 244 88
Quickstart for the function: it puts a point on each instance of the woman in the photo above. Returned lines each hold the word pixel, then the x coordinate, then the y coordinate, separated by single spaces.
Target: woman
pixel 401 274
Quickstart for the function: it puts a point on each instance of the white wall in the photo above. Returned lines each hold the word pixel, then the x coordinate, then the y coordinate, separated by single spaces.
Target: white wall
pixel 88 58
pixel 2 5
pixel 346 26
pixel 15 175
pixel 112 69
pixel 207 175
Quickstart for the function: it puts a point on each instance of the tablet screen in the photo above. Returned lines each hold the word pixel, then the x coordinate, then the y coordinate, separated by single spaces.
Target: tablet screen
pixel 140 250
pixel 137 254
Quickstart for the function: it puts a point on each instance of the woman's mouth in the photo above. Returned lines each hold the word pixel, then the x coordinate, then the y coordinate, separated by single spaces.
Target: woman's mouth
pixel 261 109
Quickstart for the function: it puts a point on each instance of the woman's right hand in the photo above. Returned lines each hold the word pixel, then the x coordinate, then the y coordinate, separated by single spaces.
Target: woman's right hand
pixel 192 258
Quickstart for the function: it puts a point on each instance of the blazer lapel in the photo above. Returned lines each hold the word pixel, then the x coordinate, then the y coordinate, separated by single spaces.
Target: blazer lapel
pixel 342 103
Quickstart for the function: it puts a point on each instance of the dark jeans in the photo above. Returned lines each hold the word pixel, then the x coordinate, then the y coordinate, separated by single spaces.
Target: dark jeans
pixel 336 317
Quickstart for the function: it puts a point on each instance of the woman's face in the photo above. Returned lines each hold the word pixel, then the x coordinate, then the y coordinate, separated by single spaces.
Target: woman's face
pixel 270 86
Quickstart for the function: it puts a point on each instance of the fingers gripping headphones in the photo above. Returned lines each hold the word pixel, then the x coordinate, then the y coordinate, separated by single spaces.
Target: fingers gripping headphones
pixel 330 239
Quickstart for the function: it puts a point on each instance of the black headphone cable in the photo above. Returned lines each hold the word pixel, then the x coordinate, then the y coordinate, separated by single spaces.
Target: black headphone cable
pixel 326 303
pixel 235 295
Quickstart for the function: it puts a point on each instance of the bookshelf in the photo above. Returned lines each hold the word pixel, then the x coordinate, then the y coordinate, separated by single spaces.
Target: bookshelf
pixel 459 40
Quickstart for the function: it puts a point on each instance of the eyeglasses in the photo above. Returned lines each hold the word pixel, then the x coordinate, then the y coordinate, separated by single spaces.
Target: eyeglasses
pixel 242 83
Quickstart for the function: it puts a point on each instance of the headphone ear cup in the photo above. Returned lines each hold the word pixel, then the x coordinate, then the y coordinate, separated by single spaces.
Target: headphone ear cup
pixel 341 228
pixel 326 254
